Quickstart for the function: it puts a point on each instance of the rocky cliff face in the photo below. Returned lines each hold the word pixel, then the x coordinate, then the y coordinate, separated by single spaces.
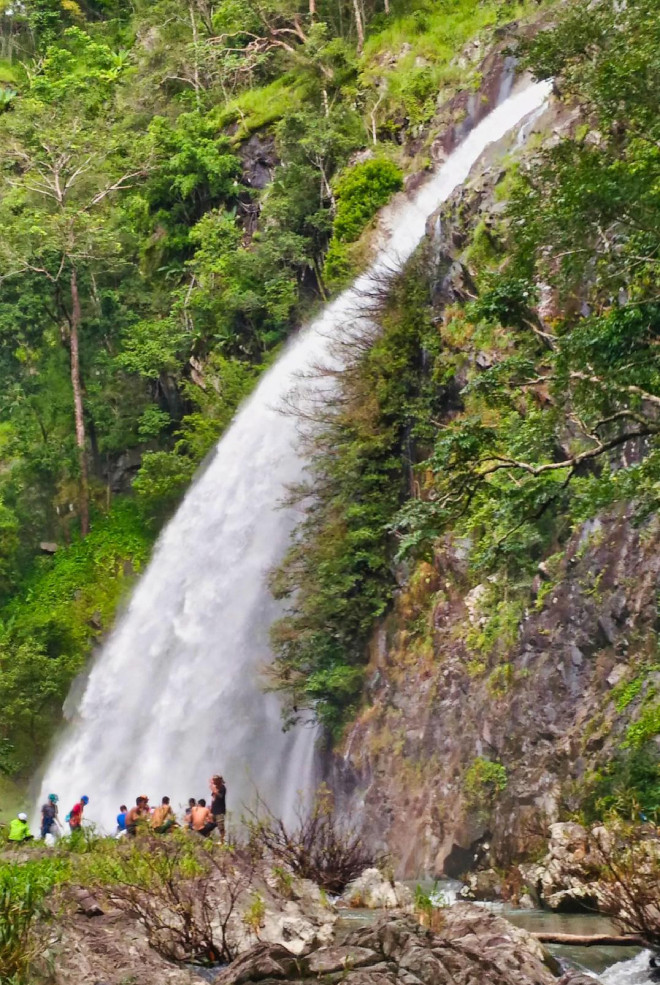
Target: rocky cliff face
pixel 547 711
pixel 485 714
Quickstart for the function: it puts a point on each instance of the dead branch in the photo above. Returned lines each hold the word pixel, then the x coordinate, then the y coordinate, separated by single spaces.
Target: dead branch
pixel 592 940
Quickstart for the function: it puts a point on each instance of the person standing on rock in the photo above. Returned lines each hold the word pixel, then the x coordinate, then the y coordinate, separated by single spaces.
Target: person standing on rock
pixel 219 803
pixel 202 819
pixel 76 815
pixel 49 817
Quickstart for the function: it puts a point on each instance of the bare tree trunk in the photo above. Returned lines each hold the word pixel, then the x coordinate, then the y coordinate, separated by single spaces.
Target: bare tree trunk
pixel 387 7
pixel 358 24
pixel 195 35
pixel 76 318
pixel 319 280
pixel 373 114
pixel 312 9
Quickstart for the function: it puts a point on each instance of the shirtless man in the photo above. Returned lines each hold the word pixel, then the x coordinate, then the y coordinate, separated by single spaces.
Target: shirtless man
pixel 135 815
pixel 202 819
pixel 163 817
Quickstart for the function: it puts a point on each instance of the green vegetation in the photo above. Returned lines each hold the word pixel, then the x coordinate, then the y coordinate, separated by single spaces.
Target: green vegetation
pixel 23 891
pixel 561 422
pixel 629 785
pixel 483 782
pixel 48 629
pixel 147 277
pixel 338 572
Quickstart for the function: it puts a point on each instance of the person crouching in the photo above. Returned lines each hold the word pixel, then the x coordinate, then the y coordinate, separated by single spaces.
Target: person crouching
pixel 202 819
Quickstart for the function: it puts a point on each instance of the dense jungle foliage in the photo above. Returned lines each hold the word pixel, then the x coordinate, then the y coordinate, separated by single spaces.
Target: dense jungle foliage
pixel 173 177
pixel 561 421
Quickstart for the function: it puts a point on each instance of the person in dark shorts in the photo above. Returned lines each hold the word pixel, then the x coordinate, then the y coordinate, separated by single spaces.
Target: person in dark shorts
pixel 202 819
pixel 219 803
pixel 49 816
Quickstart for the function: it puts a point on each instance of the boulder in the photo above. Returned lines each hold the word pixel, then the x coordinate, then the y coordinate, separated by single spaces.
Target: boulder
pixel 329 959
pixel 564 880
pixel 374 892
pixel 484 885
pixel 264 961
pixel 472 946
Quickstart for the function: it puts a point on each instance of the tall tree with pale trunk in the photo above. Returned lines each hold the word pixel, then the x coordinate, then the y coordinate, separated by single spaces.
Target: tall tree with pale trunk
pixel 64 154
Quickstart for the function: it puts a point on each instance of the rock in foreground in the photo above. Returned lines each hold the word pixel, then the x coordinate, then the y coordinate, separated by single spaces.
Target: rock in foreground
pixel 472 947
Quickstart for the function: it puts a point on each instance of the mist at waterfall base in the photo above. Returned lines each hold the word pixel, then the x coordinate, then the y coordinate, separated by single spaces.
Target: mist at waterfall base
pixel 176 693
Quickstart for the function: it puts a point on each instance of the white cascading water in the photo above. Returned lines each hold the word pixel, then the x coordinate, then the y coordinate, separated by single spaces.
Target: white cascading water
pixel 176 693
pixel 635 971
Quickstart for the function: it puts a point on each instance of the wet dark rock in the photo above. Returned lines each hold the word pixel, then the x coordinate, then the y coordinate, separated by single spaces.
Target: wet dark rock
pixel 119 474
pixel 259 159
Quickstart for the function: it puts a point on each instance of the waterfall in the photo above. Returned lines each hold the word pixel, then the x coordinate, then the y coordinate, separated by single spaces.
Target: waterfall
pixel 176 692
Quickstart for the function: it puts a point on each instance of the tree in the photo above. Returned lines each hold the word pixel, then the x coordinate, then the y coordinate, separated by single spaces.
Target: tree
pixel 64 156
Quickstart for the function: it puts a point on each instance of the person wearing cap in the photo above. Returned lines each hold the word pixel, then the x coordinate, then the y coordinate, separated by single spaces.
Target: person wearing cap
pixel 76 815
pixel 19 830
pixel 49 816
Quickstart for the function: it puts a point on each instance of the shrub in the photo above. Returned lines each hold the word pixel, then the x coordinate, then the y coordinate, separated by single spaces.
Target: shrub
pixel 361 191
pixel 184 891
pixel 483 782
pixel 429 907
pixel 319 845
pixel 629 877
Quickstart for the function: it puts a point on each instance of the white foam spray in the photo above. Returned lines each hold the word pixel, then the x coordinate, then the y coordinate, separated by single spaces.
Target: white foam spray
pixel 176 692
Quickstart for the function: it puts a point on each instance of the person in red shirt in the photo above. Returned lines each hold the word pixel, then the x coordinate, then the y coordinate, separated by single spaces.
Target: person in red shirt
pixel 76 815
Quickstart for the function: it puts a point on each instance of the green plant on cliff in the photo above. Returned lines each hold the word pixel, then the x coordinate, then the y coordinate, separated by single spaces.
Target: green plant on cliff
pixel 628 785
pixel 338 574
pixel 646 726
pixel 483 783
pixel 47 630
pixel 548 427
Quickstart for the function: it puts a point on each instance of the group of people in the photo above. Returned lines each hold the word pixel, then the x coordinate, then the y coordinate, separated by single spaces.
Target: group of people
pixel 198 817
pixel 19 829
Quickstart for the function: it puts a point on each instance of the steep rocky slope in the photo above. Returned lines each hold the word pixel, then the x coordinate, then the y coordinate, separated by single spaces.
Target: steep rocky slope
pixel 488 711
